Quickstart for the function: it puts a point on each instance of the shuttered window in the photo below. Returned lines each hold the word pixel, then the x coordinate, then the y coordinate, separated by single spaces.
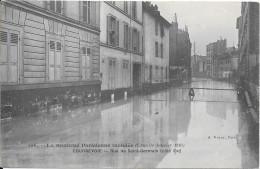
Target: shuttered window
pixel 112 74
pixel 9 59
pixel 112 31
pixel 55 6
pixel 85 64
pixel 126 35
pixel 135 40
pixel 162 31
pixel 161 50
pixel 86 11
pixel 156 27
pixel 125 74
pixel 3 36
pixel 134 9
pixel 156 49
pixel 55 61
pixel 126 6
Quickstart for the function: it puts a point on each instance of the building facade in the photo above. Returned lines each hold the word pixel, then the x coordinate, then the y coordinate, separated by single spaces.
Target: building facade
pixel 213 50
pixel 248 35
pixel 179 53
pixel 199 64
pixel 49 54
pixel 227 64
pixel 156 47
pixel 121 47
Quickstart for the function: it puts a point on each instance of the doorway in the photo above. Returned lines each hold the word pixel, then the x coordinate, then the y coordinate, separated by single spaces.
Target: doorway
pixel 136 75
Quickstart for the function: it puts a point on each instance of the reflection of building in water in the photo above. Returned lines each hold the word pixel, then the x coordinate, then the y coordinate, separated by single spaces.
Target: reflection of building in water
pixel 217 109
pixel 156 110
pixel 248 141
pixel 117 121
pixel 179 117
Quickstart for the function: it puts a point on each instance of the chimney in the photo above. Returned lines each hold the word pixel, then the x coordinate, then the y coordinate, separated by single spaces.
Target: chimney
pixel 156 8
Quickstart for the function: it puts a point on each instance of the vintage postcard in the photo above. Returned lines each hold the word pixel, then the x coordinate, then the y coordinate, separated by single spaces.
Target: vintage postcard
pixel 129 84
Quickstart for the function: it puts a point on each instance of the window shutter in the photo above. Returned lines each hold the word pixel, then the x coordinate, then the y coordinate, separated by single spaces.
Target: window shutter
pixel 138 39
pixel 3 36
pixel 108 29
pixel 125 36
pixel 156 27
pixel 51 5
pixel 13 58
pixel 58 6
pixel 129 38
pixel 117 33
pixel 3 57
pixel 93 13
pixel 133 39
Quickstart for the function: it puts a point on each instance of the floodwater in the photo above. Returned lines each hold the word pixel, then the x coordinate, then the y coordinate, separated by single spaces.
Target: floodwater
pixel 165 129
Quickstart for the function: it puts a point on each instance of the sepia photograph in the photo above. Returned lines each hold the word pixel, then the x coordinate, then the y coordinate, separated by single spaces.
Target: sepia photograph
pixel 129 84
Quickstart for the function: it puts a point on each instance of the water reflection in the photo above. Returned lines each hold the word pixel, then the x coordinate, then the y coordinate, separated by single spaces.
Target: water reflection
pixel 165 117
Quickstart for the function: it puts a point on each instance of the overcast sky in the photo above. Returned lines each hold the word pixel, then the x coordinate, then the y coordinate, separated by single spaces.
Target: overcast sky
pixel 206 21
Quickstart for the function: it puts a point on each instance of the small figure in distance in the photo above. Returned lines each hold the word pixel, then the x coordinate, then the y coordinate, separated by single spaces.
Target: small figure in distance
pixel 191 93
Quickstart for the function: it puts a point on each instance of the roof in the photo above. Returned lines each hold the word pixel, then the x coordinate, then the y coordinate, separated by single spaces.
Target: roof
pixel 153 10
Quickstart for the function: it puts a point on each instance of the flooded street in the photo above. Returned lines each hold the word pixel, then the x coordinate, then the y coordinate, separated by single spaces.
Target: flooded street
pixel 213 130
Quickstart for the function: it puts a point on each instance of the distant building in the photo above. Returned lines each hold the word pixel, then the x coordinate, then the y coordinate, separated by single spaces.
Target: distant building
pixel 49 54
pixel 199 65
pixel 248 35
pixel 227 64
pixel 179 53
pixel 121 47
pixel 156 46
pixel 213 50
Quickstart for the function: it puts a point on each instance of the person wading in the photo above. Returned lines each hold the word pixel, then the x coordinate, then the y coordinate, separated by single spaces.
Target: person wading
pixel 191 93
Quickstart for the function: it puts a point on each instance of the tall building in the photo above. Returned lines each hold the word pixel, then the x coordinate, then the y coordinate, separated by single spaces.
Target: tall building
pixel 121 47
pixel 213 50
pixel 179 53
pixel 156 47
pixel 49 54
pixel 248 35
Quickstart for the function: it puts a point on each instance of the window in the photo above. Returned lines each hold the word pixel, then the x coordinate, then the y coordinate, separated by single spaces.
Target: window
pixel 86 11
pixel 156 27
pixel 156 49
pixel 112 31
pixel 161 50
pixel 134 9
pixel 126 34
pixel 55 6
pixel 112 73
pixel 125 65
pixel 162 31
pixel 125 74
pixel 126 6
pixel 135 40
pixel 85 63
pixel 161 74
pixel 9 58
pixel 55 60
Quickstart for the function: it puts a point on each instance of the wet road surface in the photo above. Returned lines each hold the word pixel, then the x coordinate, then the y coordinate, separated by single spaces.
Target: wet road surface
pixel 166 128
